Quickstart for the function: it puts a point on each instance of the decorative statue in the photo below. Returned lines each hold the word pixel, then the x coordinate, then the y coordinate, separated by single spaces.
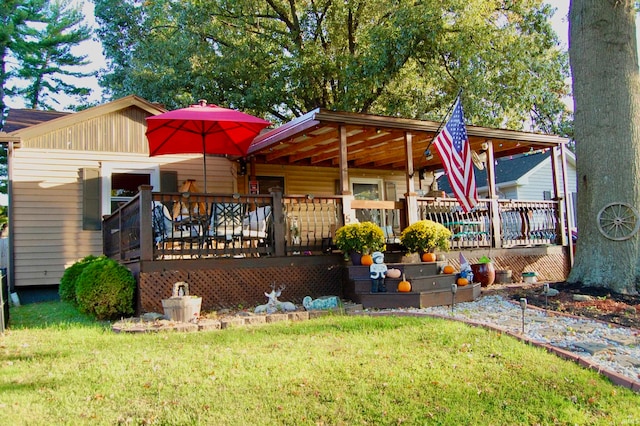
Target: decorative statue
pixel 377 272
pixel 325 302
pixel 274 305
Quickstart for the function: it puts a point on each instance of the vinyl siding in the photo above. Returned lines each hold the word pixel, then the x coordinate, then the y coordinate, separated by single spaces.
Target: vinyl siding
pixel 321 181
pixel 47 205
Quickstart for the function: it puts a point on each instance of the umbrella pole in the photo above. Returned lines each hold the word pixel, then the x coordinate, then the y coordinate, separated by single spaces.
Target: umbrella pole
pixel 204 162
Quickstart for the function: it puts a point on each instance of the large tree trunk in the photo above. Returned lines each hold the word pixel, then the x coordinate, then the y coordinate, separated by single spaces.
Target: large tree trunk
pixel 604 64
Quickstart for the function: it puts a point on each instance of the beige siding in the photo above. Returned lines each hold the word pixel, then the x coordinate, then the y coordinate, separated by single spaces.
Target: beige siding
pixel 119 131
pixel 47 204
pixel 322 181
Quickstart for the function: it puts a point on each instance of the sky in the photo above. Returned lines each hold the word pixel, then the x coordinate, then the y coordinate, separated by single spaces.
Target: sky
pixel 93 49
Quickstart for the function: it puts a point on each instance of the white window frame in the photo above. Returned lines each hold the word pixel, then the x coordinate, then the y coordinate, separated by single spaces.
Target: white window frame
pixel 108 169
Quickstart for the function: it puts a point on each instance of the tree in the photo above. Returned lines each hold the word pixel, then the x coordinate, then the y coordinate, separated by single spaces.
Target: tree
pixel 606 89
pixel 284 58
pixel 47 61
pixel 15 17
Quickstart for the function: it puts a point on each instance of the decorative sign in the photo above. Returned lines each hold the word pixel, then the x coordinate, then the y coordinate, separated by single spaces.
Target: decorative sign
pixel 254 188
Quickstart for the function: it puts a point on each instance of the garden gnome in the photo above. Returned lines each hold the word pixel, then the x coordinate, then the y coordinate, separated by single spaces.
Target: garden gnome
pixel 377 272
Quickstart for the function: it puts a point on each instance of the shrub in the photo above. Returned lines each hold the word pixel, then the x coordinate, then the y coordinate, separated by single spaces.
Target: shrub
pixel 67 287
pixel 105 289
pixel 425 235
pixel 363 237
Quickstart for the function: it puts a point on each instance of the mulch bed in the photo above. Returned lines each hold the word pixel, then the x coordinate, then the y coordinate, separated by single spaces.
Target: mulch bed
pixel 605 305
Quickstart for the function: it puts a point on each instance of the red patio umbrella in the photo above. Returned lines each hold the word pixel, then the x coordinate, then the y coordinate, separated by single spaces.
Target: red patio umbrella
pixel 202 128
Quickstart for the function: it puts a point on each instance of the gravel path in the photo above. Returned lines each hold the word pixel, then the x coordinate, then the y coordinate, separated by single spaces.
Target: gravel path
pixel 613 351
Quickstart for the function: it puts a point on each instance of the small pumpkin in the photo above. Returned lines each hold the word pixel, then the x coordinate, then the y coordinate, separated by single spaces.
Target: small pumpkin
pixel 366 260
pixel 428 257
pixel 461 281
pixel 394 273
pixel 448 269
pixel 404 286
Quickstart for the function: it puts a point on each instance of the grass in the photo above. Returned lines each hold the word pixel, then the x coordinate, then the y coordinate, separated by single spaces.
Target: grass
pixel 58 367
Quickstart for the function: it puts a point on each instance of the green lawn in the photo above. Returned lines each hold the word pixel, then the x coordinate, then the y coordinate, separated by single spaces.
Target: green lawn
pixel 57 367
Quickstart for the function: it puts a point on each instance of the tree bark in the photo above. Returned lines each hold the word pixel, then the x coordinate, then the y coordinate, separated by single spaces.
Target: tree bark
pixel 604 65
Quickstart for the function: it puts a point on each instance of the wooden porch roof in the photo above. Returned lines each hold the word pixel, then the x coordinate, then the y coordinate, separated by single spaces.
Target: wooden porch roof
pixel 376 142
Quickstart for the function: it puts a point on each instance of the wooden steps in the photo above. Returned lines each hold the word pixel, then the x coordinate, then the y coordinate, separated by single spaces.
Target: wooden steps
pixel 428 287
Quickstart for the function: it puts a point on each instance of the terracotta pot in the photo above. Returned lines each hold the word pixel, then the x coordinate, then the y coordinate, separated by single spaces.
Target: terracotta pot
pixel 483 273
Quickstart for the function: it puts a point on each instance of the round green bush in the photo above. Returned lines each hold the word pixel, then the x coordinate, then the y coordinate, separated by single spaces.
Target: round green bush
pixel 105 289
pixel 67 287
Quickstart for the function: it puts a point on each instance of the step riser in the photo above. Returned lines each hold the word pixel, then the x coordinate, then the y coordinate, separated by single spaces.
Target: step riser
pixel 409 269
pixel 417 299
pixel 436 282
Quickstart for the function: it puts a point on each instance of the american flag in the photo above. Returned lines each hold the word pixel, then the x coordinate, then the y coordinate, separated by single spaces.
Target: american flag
pixel 453 147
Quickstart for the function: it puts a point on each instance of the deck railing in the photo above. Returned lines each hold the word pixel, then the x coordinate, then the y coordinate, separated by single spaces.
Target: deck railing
pixel 190 225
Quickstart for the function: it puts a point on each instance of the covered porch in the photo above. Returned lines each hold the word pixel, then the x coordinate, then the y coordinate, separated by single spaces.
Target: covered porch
pixel 286 238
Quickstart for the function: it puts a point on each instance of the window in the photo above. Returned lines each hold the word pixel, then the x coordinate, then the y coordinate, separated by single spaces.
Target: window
pixel 368 189
pixel 266 182
pixel 120 182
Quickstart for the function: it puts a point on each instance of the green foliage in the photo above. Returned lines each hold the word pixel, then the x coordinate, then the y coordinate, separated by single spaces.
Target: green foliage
pixel 282 59
pixel 46 62
pixel 67 287
pixel 278 374
pixel 425 235
pixel 362 237
pixel 105 289
pixel 484 260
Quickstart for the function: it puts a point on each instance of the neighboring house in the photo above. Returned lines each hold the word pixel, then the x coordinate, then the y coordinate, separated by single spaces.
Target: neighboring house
pixel 524 177
pixel 67 170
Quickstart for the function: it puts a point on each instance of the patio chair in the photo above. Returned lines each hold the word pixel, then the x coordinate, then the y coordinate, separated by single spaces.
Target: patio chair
pixel 166 231
pixel 255 225
pixel 225 224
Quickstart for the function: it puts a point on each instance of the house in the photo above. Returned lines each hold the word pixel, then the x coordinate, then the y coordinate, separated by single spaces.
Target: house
pixel 527 176
pixel 74 186
pixel 66 171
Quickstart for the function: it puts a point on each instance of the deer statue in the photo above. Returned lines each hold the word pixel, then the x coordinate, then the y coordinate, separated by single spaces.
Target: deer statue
pixel 274 305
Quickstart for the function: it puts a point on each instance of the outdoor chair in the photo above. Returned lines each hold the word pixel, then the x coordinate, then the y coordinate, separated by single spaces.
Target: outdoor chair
pixel 225 224
pixel 166 231
pixel 255 226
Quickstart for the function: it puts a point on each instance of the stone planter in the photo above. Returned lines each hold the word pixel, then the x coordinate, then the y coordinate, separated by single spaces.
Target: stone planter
pixel 182 307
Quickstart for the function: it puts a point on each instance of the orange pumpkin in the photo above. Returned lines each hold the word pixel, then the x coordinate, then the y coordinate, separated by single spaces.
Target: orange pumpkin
pixel 448 269
pixel 367 260
pixel 428 257
pixel 404 286
pixel 462 281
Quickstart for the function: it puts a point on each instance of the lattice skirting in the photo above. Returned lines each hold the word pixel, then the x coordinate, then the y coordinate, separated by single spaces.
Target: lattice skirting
pixel 242 284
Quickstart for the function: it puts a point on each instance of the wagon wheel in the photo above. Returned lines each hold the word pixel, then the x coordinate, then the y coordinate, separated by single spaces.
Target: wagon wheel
pixel 618 221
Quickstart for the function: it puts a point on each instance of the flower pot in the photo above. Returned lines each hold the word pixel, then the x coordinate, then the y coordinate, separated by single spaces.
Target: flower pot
pixel 483 273
pixel 356 258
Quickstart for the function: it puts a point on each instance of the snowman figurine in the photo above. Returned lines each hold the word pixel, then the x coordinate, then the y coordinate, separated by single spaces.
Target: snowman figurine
pixel 377 272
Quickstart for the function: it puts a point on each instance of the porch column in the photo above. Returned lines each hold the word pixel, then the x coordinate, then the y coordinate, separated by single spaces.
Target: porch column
pixel 494 210
pixel 146 228
pixel 278 222
pixel 411 197
pixel 557 197
pixel 345 189
pixel 569 217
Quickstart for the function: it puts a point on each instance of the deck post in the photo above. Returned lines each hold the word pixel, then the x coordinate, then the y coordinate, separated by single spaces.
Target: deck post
pixel 567 210
pixel 278 222
pixel 494 208
pixel 146 228
pixel 411 197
